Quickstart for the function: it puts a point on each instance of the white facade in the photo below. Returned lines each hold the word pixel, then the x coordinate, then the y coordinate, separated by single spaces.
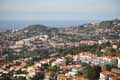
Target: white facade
pixel 118 62
pixel 89 58
pixel 20 42
pixel 105 75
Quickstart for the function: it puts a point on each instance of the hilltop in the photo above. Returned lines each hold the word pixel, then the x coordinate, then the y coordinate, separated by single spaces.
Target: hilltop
pixel 109 29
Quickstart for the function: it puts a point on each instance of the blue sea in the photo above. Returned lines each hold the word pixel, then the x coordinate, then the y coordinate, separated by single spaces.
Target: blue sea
pixel 5 24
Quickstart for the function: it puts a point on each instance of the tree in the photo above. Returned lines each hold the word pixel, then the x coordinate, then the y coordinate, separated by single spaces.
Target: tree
pixel 92 72
pixel 97 71
pixel 20 78
pixel 107 67
pixel 38 76
pixel 89 73
pixel 69 61
pixel 54 69
pixel 5 77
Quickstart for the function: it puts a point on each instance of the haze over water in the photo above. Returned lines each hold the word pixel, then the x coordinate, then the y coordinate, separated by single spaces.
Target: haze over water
pixel 56 13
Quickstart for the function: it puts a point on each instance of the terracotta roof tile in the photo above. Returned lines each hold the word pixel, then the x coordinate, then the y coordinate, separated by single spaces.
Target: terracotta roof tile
pixel 106 73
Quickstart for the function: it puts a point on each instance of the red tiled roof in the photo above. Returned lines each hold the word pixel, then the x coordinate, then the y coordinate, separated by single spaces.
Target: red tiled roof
pixel 62 76
pixel 79 78
pixel 106 73
pixel 69 67
pixel 48 73
pixel 109 57
pixel 87 54
pixel 116 77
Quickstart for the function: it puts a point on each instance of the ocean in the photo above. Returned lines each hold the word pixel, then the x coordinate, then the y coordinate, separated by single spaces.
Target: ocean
pixel 7 24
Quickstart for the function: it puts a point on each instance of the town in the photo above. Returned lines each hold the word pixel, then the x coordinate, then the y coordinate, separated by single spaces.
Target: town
pixel 85 52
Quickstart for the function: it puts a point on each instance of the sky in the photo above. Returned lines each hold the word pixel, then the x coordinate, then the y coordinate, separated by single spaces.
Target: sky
pixel 59 9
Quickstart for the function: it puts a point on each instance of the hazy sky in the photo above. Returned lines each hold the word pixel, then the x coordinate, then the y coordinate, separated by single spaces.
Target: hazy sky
pixel 59 9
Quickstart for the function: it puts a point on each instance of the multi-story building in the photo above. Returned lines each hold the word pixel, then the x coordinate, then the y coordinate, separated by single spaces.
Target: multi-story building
pixel 86 57
pixel 118 62
pixel 108 60
pixel 89 58
pixel 107 75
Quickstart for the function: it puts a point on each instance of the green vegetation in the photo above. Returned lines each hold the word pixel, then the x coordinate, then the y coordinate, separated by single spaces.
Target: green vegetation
pixel 92 72
pixel 53 69
pixel 39 76
pixel 94 49
pixel 71 51
pixel 107 67
pixel 69 61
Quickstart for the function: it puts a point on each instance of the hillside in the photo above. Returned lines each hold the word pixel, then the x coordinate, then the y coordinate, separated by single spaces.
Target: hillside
pixel 104 30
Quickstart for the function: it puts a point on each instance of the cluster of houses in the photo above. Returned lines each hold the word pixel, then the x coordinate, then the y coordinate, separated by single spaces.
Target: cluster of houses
pixel 90 58
pixel 20 68
pixel 30 43
pixel 86 57
pixel 88 42
pixel 46 42
pixel 107 75
pixel 65 72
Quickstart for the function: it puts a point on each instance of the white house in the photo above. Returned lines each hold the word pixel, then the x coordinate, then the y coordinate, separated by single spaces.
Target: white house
pixel 89 58
pixel 105 75
pixel 118 62
pixel 86 57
